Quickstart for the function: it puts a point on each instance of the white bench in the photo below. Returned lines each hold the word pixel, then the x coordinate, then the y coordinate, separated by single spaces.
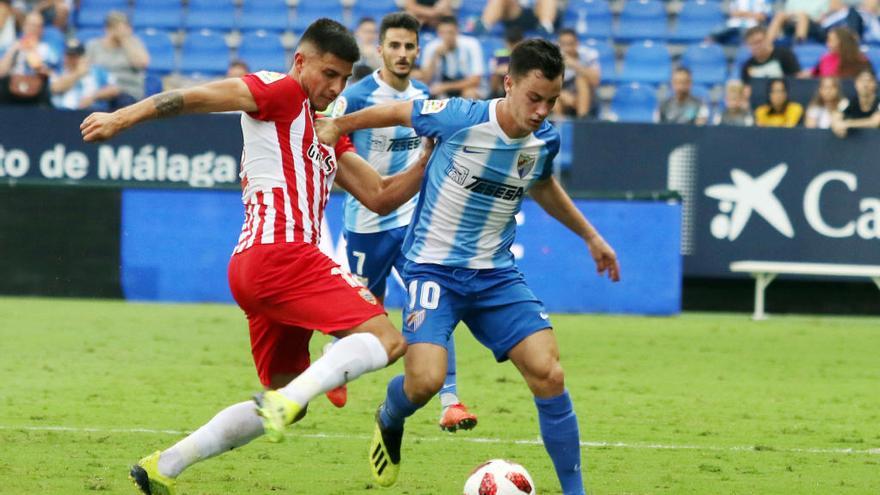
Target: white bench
pixel 765 271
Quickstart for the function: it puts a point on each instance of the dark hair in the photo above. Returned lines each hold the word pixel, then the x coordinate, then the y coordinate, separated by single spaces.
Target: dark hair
pixel 400 20
pixel 534 54
pixel 513 35
pixel 568 31
pixel 447 19
pixel 770 83
pixel 867 70
pixel 684 69
pixel 759 29
pixel 329 36
pixel 364 20
pixel 239 63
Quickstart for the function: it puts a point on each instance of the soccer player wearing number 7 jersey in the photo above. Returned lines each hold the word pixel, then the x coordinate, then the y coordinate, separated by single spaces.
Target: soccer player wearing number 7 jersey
pixel 489 154
pixel 277 274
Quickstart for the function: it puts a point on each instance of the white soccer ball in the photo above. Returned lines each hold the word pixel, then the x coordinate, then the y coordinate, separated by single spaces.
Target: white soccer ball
pixel 499 477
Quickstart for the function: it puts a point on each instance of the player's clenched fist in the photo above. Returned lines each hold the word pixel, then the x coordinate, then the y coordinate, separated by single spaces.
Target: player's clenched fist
pixel 328 131
pixel 99 126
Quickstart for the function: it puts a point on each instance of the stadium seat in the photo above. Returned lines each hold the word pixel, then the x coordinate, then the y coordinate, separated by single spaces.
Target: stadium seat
pixel 161 50
pixel 54 38
pixel 634 102
pixel 590 18
pixel 566 134
pixel 696 20
pixel 158 14
pixel 263 51
pixel 373 8
pixel 646 62
pixel 91 13
pixel 264 15
pixel 219 15
pixel 204 52
pixel 607 60
pixel 707 63
pixel 308 12
pixel 88 34
pixel 642 20
pixel 873 54
pixel 808 54
pixel 490 45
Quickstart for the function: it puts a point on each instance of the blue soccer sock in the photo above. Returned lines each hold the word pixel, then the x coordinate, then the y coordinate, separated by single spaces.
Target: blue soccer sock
pixel 449 392
pixel 397 406
pixel 559 430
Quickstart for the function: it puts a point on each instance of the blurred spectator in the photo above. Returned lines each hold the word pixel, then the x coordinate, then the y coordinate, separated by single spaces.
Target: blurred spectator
pixel 26 66
pixel 863 111
pixel 825 103
pixel 779 111
pixel 7 25
pixel 742 15
pixel 767 61
pixel 500 61
pixel 80 85
pixel 123 55
pixel 237 68
pixel 54 12
pixel 800 19
pixel 453 63
pixel 428 12
pixel 581 77
pixel 367 35
pixel 682 107
pixel 527 15
pixel 736 106
pixel 844 58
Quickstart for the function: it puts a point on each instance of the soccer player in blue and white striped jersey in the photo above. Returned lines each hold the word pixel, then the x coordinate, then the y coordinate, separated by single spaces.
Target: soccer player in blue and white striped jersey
pixel 488 155
pixel 373 241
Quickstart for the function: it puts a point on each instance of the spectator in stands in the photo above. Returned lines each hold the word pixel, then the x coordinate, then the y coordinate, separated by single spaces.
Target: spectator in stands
pixel 767 61
pixel 825 103
pixel 7 25
pixel 528 15
pixel 742 15
pixel 237 68
pixel 844 58
pixel 861 112
pixel 800 19
pixel 54 12
pixel 428 12
pixel 80 85
pixel 367 35
pixel 123 55
pixel 581 77
pixel 682 107
pixel 779 111
pixel 500 61
pixel 26 66
pixel 453 63
pixel 736 106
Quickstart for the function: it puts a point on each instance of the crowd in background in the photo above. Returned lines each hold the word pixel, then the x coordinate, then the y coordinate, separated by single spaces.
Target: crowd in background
pixel 45 63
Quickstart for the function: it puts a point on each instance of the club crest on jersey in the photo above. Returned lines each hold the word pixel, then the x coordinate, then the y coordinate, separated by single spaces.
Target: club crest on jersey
pixel 415 319
pixel 322 156
pixel 525 162
pixel 368 296
pixel 457 173
pixel 433 106
pixel 268 77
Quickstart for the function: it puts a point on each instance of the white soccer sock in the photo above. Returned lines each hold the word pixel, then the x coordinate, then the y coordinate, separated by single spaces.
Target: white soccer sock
pixel 347 359
pixel 448 399
pixel 230 428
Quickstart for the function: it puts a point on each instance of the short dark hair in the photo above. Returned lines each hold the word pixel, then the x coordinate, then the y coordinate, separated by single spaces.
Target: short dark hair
pixel 866 70
pixel 365 20
pixel 513 34
pixel 239 63
pixel 759 29
pixel 684 69
pixel 538 54
pixel 399 20
pixel 329 36
pixel 447 19
pixel 568 31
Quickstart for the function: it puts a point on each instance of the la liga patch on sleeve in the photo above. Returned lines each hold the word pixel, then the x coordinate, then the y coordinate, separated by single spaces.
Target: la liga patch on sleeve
pixel 433 106
pixel 268 77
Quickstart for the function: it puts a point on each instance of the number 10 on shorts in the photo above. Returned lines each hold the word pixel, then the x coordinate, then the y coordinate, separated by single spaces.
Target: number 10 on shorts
pixel 429 297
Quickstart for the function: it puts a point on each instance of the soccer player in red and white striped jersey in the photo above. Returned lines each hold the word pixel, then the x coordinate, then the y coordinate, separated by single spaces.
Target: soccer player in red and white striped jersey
pixel 285 285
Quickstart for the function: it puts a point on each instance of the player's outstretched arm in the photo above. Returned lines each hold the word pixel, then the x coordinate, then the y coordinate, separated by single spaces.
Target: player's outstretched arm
pixel 218 96
pixel 555 201
pixel 381 194
pixel 378 116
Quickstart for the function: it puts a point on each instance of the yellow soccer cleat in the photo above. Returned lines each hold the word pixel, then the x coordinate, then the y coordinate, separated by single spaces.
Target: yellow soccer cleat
pixel 145 475
pixel 277 412
pixel 385 454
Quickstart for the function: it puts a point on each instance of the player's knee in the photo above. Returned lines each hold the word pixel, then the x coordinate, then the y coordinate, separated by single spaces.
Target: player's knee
pixel 425 385
pixel 549 380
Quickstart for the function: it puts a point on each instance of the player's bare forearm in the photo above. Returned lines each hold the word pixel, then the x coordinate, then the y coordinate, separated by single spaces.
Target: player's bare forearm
pixel 556 202
pixel 219 96
pixel 378 116
pixel 379 194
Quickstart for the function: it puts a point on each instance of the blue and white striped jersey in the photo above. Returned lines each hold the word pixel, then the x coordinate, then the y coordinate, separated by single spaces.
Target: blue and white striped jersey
pixel 474 184
pixel 389 150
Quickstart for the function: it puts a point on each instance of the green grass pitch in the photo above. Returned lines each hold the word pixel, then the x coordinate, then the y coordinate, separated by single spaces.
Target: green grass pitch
pixel 697 404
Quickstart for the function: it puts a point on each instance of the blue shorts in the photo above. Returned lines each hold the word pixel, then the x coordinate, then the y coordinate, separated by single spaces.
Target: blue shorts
pixel 496 304
pixel 371 256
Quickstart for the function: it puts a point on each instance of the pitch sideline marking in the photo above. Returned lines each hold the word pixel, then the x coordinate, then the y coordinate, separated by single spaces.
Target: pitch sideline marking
pixel 619 445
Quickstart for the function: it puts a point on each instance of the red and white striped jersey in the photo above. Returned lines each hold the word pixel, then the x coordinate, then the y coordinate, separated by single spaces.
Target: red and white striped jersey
pixel 286 174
